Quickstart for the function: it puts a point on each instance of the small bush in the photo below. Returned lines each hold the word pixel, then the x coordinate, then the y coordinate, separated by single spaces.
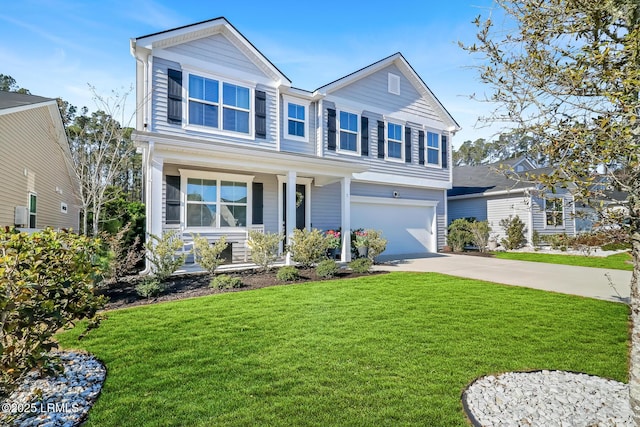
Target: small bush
pixel 479 234
pixel 225 281
pixel 558 241
pixel 361 265
pixel 615 246
pixel 327 269
pixel 123 257
pixel 514 228
pixel 162 253
pixel 288 274
pixel 150 287
pixel 536 239
pixel 459 235
pixel 47 282
pixel 208 255
pixel 264 248
pixel 308 247
pixel 377 243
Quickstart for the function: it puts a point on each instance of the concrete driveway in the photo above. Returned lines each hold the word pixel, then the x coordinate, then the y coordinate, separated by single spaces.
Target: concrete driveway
pixel 601 283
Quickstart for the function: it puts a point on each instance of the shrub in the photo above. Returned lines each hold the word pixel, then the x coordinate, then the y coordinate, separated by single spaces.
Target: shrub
pixel 327 268
pixel 514 228
pixel 479 234
pixel 536 239
pixel 287 274
pixel 308 247
pixel 616 246
pixel 150 287
pixel 334 240
pixel 162 253
pixel 558 241
pixel 361 265
pixel 123 256
pixel 47 281
pixel 225 281
pixel 208 255
pixel 459 235
pixel 264 248
pixel 377 243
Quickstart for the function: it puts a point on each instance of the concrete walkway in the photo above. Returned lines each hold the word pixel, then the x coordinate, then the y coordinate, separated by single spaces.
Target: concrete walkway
pixel 601 283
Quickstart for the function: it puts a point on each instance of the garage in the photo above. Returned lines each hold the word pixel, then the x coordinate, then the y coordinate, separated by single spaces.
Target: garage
pixel 408 225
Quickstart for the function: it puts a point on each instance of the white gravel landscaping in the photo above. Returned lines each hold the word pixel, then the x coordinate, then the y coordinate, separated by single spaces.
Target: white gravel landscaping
pixel 56 401
pixel 547 398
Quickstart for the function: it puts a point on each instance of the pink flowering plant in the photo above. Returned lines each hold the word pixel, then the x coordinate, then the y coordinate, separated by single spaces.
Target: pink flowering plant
pixel 333 239
pixel 362 239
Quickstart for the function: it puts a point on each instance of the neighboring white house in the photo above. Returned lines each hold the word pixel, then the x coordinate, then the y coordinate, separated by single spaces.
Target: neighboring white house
pixel 230 145
pixel 494 192
pixel 39 186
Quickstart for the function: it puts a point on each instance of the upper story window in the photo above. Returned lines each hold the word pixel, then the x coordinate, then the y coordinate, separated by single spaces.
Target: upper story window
pixel 296 120
pixel 433 148
pixel 348 131
pixel 394 141
pixel 554 212
pixel 205 108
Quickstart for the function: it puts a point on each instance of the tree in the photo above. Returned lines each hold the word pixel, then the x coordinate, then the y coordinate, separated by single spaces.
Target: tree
pixel 9 84
pixel 471 153
pixel 102 152
pixel 567 73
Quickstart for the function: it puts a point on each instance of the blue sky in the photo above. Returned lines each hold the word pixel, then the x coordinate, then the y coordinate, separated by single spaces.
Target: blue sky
pixel 56 48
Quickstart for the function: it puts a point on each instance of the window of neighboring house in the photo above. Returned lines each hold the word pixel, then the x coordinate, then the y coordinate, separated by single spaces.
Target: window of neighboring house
pixel 348 131
pixel 554 212
pixel 394 141
pixel 33 210
pixel 216 203
pixel 296 120
pixel 205 108
pixel 433 148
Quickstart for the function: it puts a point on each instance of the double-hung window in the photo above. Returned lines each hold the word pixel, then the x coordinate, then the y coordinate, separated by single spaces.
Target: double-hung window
pixel 554 212
pixel 296 120
pixel 216 202
pixel 433 148
pixel 394 141
pixel 206 108
pixel 348 131
pixel 33 210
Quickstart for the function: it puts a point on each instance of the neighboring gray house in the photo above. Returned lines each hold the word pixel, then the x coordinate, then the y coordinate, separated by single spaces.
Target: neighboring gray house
pixel 39 185
pixel 487 192
pixel 224 131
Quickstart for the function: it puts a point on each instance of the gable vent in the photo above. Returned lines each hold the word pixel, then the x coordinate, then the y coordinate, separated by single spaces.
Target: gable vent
pixel 394 84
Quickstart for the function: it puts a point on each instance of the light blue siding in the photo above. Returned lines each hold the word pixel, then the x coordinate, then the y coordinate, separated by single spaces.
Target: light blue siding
pixel 326 208
pixel 468 208
pixel 539 216
pixel 503 207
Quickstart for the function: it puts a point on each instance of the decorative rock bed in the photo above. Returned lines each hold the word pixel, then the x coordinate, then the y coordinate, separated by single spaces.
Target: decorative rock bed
pixel 56 401
pixel 547 398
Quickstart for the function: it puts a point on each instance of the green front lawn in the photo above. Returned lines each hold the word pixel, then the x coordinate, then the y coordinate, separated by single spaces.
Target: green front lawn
pixel 616 262
pixel 395 349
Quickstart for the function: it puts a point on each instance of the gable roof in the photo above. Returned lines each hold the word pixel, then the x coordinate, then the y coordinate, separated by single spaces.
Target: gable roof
pixel 486 179
pixel 407 70
pixel 14 99
pixel 220 25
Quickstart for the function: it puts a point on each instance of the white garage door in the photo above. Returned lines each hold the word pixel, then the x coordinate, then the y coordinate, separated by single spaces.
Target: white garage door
pixel 408 225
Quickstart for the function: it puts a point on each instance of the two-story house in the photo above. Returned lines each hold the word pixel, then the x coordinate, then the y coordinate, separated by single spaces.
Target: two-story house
pixel 230 145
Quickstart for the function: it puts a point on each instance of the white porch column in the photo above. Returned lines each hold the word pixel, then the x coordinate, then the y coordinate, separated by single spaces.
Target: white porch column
pixel 291 209
pixel 345 193
pixel 154 198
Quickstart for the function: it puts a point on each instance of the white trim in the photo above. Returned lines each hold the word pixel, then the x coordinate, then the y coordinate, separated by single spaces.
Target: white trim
pixel 20 108
pixel 427 148
pixel 307 200
pixel 407 181
pixel 401 141
pixel 395 202
pixel 489 194
pixel 339 130
pixel 286 100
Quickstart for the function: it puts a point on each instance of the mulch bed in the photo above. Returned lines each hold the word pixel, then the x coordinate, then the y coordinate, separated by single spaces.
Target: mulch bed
pixel 123 294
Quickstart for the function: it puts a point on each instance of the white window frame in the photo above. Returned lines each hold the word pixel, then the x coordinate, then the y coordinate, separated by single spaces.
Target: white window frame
pixel 285 115
pixel 388 139
pixel 220 104
pixel 393 83
pixel 427 148
pixel 185 174
pixel 32 214
pixel 339 130
pixel 546 211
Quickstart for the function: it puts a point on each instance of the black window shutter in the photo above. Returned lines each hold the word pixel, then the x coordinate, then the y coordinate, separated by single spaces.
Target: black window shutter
pixel 407 144
pixel 331 129
pixel 258 202
pixel 174 96
pixel 172 200
pixel 380 139
pixel 364 136
pixel 421 147
pixel 261 114
pixel 445 154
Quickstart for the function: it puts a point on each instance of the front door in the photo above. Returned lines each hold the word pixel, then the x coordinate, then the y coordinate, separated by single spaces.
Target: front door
pixel 301 205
